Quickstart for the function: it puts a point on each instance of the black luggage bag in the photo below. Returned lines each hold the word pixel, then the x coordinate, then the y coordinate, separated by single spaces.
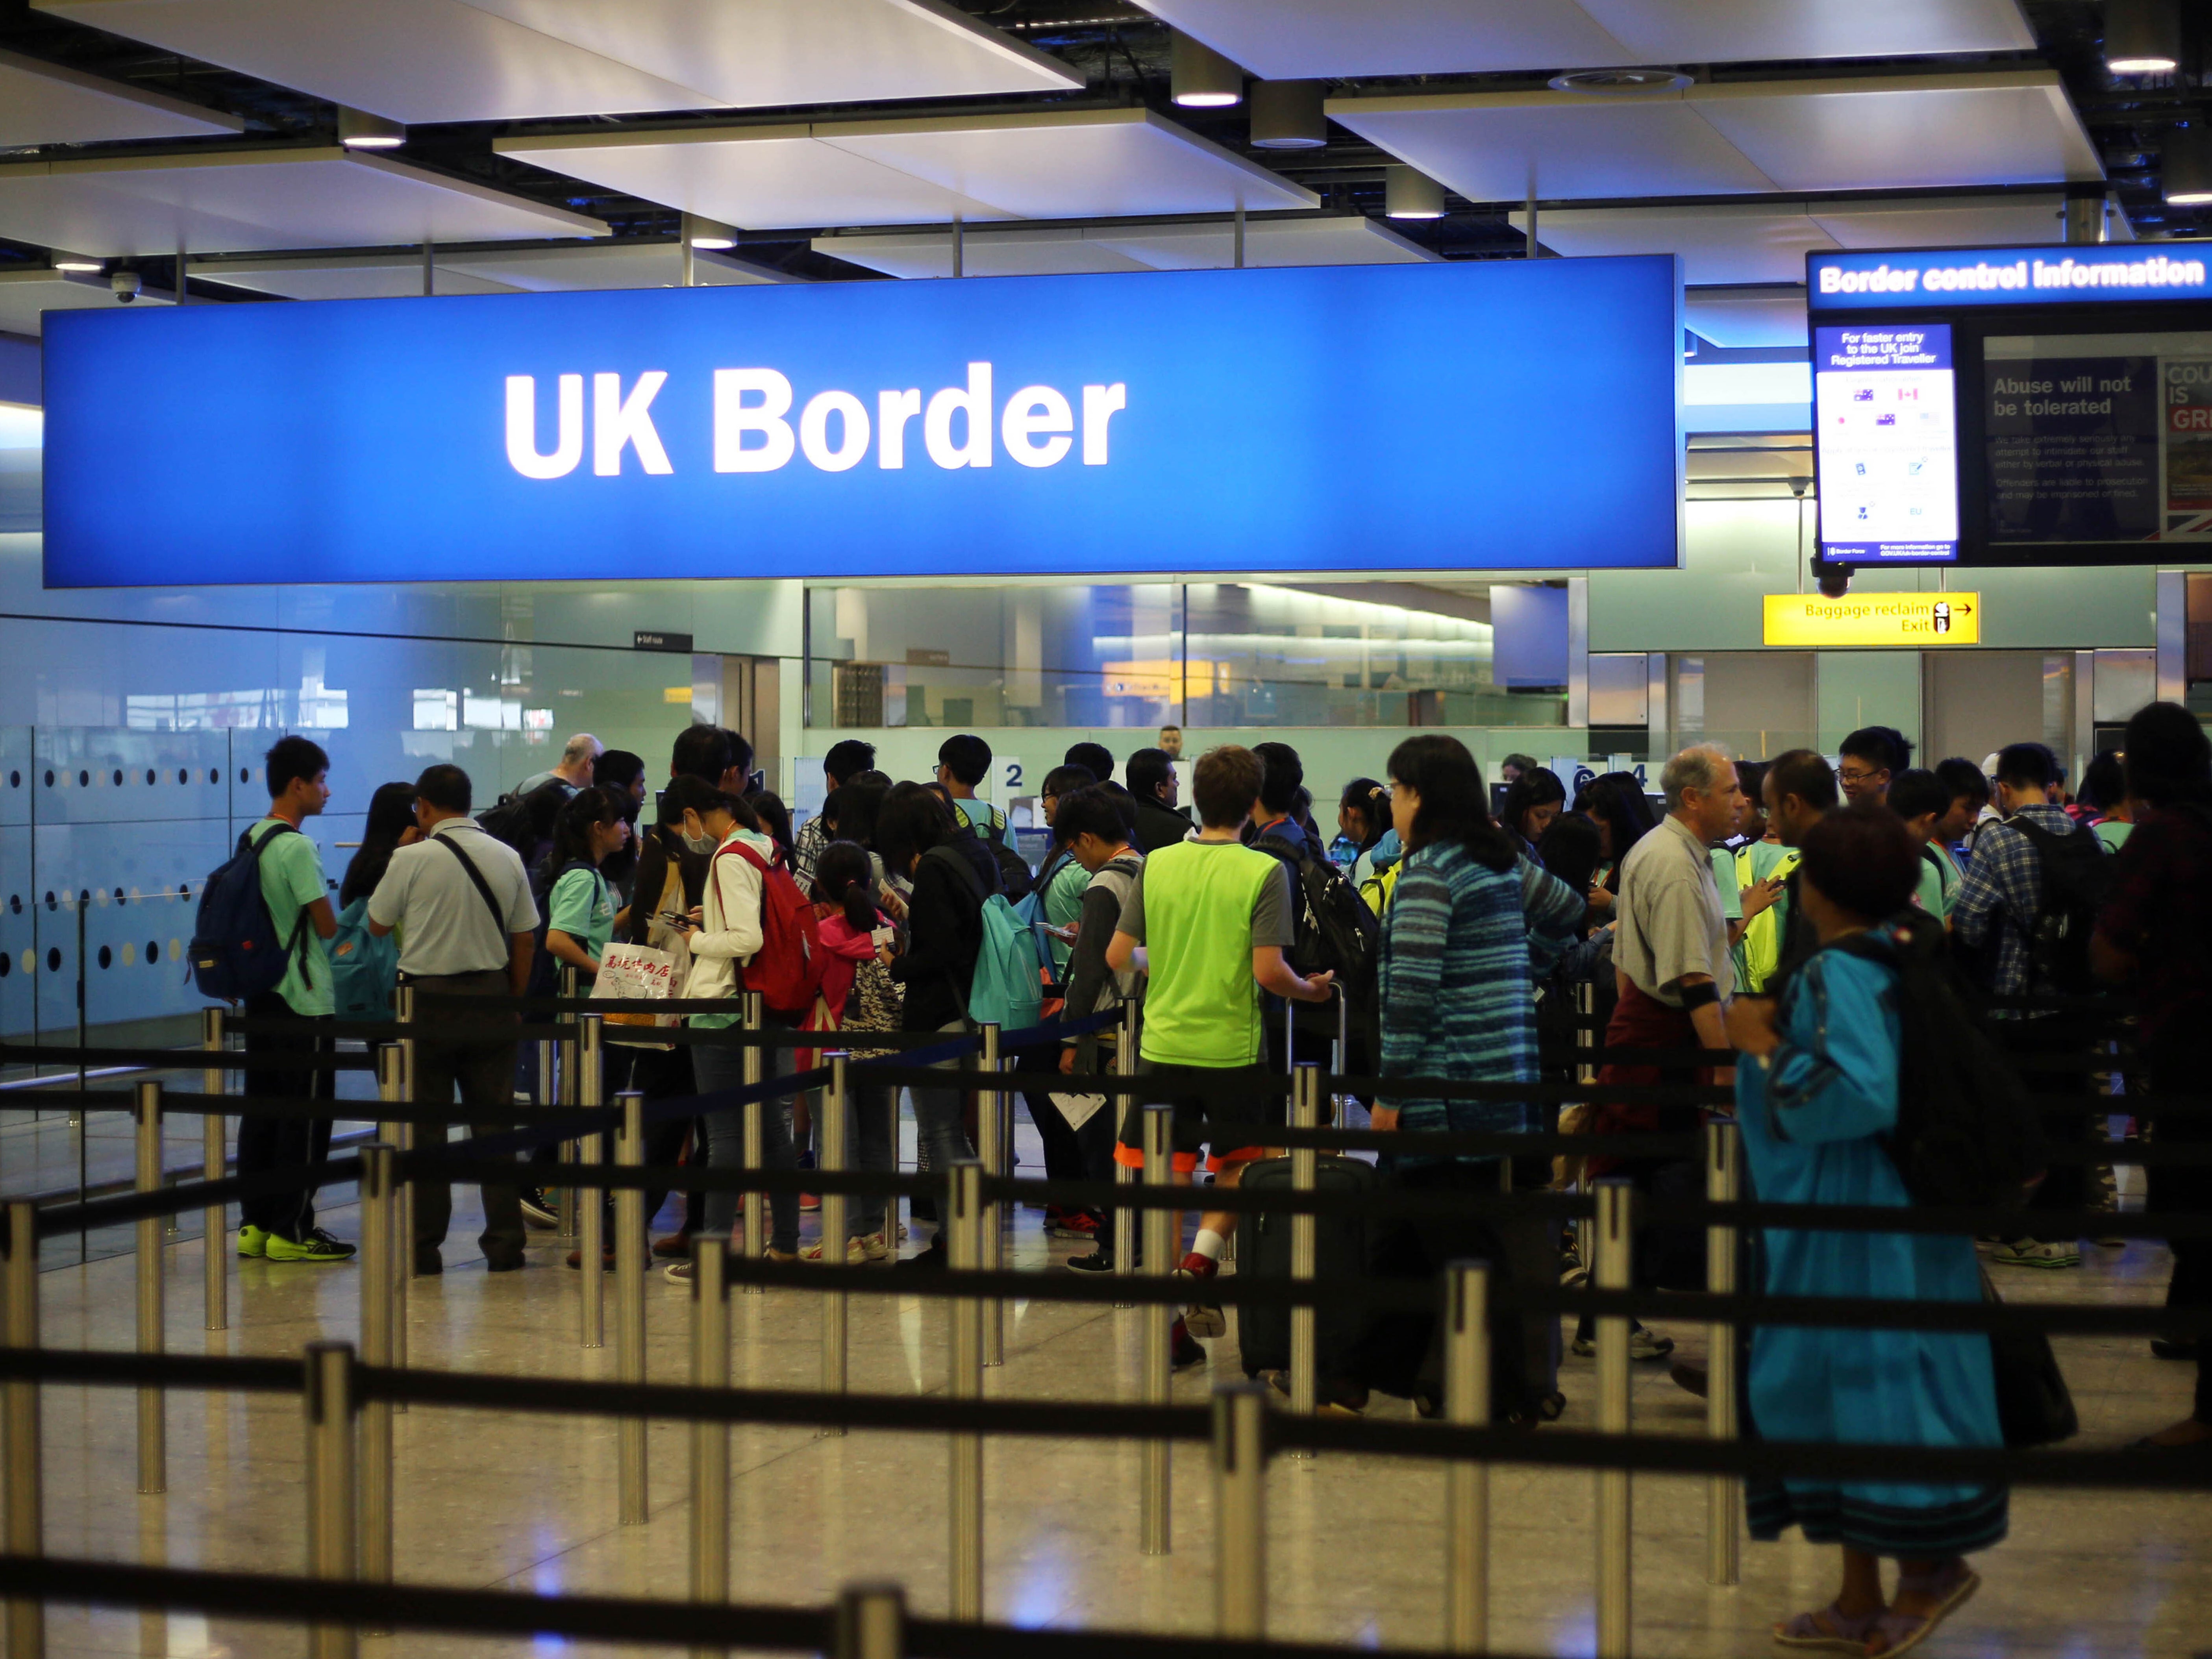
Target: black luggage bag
pixel 1341 1251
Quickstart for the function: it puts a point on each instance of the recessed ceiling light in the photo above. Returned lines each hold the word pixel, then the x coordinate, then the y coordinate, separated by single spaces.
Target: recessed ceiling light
pixel 2141 37
pixel 358 129
pixel 75 261
pixel 1620 83
pixel 710 234
pixel 1200 78
pixel 1409 193
pixel 2185 169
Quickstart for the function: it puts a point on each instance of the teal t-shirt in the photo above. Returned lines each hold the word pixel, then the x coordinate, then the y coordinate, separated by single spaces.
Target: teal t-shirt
pixel 1063 904
pixel 582 907
pixel 291 881
pixel 2113 833
pixel 981 815
pixel 1939 881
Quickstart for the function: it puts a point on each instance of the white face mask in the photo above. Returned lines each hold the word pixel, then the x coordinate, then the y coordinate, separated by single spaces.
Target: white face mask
pixel 700 843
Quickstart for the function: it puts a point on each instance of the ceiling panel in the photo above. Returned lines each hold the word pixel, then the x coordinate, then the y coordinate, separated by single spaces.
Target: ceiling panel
pixel 761 52
pixel 1943 221
pixel 1494 147
pixel 244 201
pixel 763 178
pixel 1283 39
pixel 1347 241
pixel 411 60
pixel 606 265
pixel 1718 244
pixel 1737 317
pixel 25 294
pixel 2007 127
pixel 1041 253
pixel 46 104
pixel 341 276
pixel 1072 164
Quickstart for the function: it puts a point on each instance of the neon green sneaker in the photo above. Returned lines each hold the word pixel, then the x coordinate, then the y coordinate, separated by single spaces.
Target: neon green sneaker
pixel 253 1242
pixel 317 1246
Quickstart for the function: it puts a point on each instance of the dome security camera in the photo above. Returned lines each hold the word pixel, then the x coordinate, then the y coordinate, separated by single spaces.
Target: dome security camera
pixel 1834 580
pixel 126 284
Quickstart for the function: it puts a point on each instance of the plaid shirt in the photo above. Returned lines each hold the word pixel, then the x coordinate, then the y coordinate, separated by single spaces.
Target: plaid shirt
pixel 2003 894
pixel 806 847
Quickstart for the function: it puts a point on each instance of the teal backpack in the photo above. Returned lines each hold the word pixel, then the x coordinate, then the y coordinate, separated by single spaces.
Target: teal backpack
pixel 364 969
pixel 1008 987
pixel 1030 909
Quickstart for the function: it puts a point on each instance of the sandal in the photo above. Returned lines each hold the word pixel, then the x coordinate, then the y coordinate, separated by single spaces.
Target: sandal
pixel 1841 1634
pixel 1904 1631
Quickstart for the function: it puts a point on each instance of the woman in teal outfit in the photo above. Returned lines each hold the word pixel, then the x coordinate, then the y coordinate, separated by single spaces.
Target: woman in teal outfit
pixel 1818 1092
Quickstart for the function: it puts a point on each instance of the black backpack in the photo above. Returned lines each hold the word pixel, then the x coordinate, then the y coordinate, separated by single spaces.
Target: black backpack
pixel 544 972
pixel 1016 880
pixel 525 822
pixel 2077 870
pixel 1334 930
pixel 1966 1133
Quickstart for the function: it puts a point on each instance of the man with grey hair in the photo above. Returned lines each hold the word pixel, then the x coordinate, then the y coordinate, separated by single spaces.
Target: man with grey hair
pixel 1670 955
pixel 573 771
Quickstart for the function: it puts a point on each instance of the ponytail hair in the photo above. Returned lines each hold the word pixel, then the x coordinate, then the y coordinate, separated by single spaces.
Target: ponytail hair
pixel 844 876
pixel 1372 802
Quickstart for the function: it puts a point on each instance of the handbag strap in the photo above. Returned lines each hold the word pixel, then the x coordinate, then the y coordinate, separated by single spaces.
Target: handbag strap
pixel 498 915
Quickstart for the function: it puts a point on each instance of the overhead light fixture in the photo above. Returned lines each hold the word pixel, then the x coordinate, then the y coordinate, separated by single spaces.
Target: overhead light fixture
pixel 2185 167
pixel 1287 115
pixel 2142 37
pixel 1409 193
pixel 77 262
pixel 358 129
pixel 710 234
pixel 1620 83
pixel 1200 78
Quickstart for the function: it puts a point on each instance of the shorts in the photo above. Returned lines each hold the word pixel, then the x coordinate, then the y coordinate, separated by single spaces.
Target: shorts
pixel 1198 1106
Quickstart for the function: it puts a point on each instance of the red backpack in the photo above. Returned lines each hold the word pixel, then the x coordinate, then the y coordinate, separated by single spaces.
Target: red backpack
pixel 787 970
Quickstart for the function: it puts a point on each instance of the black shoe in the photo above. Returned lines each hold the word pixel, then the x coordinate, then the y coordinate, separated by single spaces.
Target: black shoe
pixel 1100 1260
pixel 540 1208
pixel 922 1207
pixel 1184 1349
pixel 935 1259
pixel 505 1264
pixel 2173 1347
pixel 428 1262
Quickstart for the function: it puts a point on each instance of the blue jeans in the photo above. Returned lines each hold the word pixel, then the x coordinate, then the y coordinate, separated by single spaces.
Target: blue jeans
pixel 937 1128
pixel 724 1068
pixel 872 1121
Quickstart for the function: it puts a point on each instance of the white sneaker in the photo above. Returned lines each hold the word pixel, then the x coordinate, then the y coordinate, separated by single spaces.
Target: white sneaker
pixel 872 1245
pixel 855 1251
pixel 2029 1252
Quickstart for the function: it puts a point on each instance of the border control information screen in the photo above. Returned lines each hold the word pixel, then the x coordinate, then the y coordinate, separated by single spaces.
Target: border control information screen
pixel 1886 405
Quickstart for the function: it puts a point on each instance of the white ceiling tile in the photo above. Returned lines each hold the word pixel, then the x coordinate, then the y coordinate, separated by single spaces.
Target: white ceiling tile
pixel 607 265
pixel 25 294
pixel 1755 31
pixel 766 178
pixel 763 52
pixel 1718 244
pixel 46 104
pixel 1737 319
pixel 244 201
pixel 1944 222
pixel 1494 147
pixel 1902 132
pixel 1347 240
pixel 1019 253
pixel 410 60
pixel 1295 39
pixel 341 276
pixel 1072 164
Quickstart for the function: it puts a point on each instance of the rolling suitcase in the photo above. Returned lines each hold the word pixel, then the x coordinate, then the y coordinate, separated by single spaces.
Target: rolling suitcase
pixel 1341 1251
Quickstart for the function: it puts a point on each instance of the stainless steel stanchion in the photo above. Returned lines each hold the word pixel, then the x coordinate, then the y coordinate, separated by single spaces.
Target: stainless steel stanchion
pixel 592 1250
pixel 591 1234
pixel 391 1087
pixel 152 1424
pixel 991 1131
pixel 330 1480
pixel 964 1218
pixel 630 1306
pixel 1240 1512
pixel 25 1488
pixel 1613 1272
pixel 380 1184
pixel 1305 1114
pixel 569 1094
pixel 871 1621
pixel 1723 1492
pixel 214 1139
pixel 1125 1218
pixel 402 1008
pixel 1161 1225
pixel 1467 1485
pixel 755 1145
pixel 837 1124
pixel 710 1442
pixel 1585 1074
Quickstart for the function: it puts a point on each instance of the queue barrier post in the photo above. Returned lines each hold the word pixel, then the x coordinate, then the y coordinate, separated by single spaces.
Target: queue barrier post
pixel 1154 1524
pixel 380 1181
pixel 390 1085
pixel 153 1337
pixel 630 1308
pixel 24 1489
pixel 402 1134
pixel 836 1126
pixel 566 1093
pixel 871 1621
pixel 965 1214
pixel 589 1224
pixel 754 1147
pixel 1613 1272
pixel 1125 1218
pixel 710 1442
pixel 991 1131
pixel 1724 1493
pixel 1305 1114
pixel 1585 1074
pixel 1240 1512
pixel 215 1228
pixel 1466 1482
pixel 329 1400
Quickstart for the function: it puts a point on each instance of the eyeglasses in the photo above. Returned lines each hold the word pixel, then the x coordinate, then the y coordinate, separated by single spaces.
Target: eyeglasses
pixel 1848 778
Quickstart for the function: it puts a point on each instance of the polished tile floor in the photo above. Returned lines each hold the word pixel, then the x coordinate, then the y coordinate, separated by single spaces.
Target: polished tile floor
pixel 494 1500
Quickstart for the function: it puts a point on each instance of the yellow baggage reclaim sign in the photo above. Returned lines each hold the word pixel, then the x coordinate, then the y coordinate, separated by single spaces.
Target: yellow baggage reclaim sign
pixel 1878 619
